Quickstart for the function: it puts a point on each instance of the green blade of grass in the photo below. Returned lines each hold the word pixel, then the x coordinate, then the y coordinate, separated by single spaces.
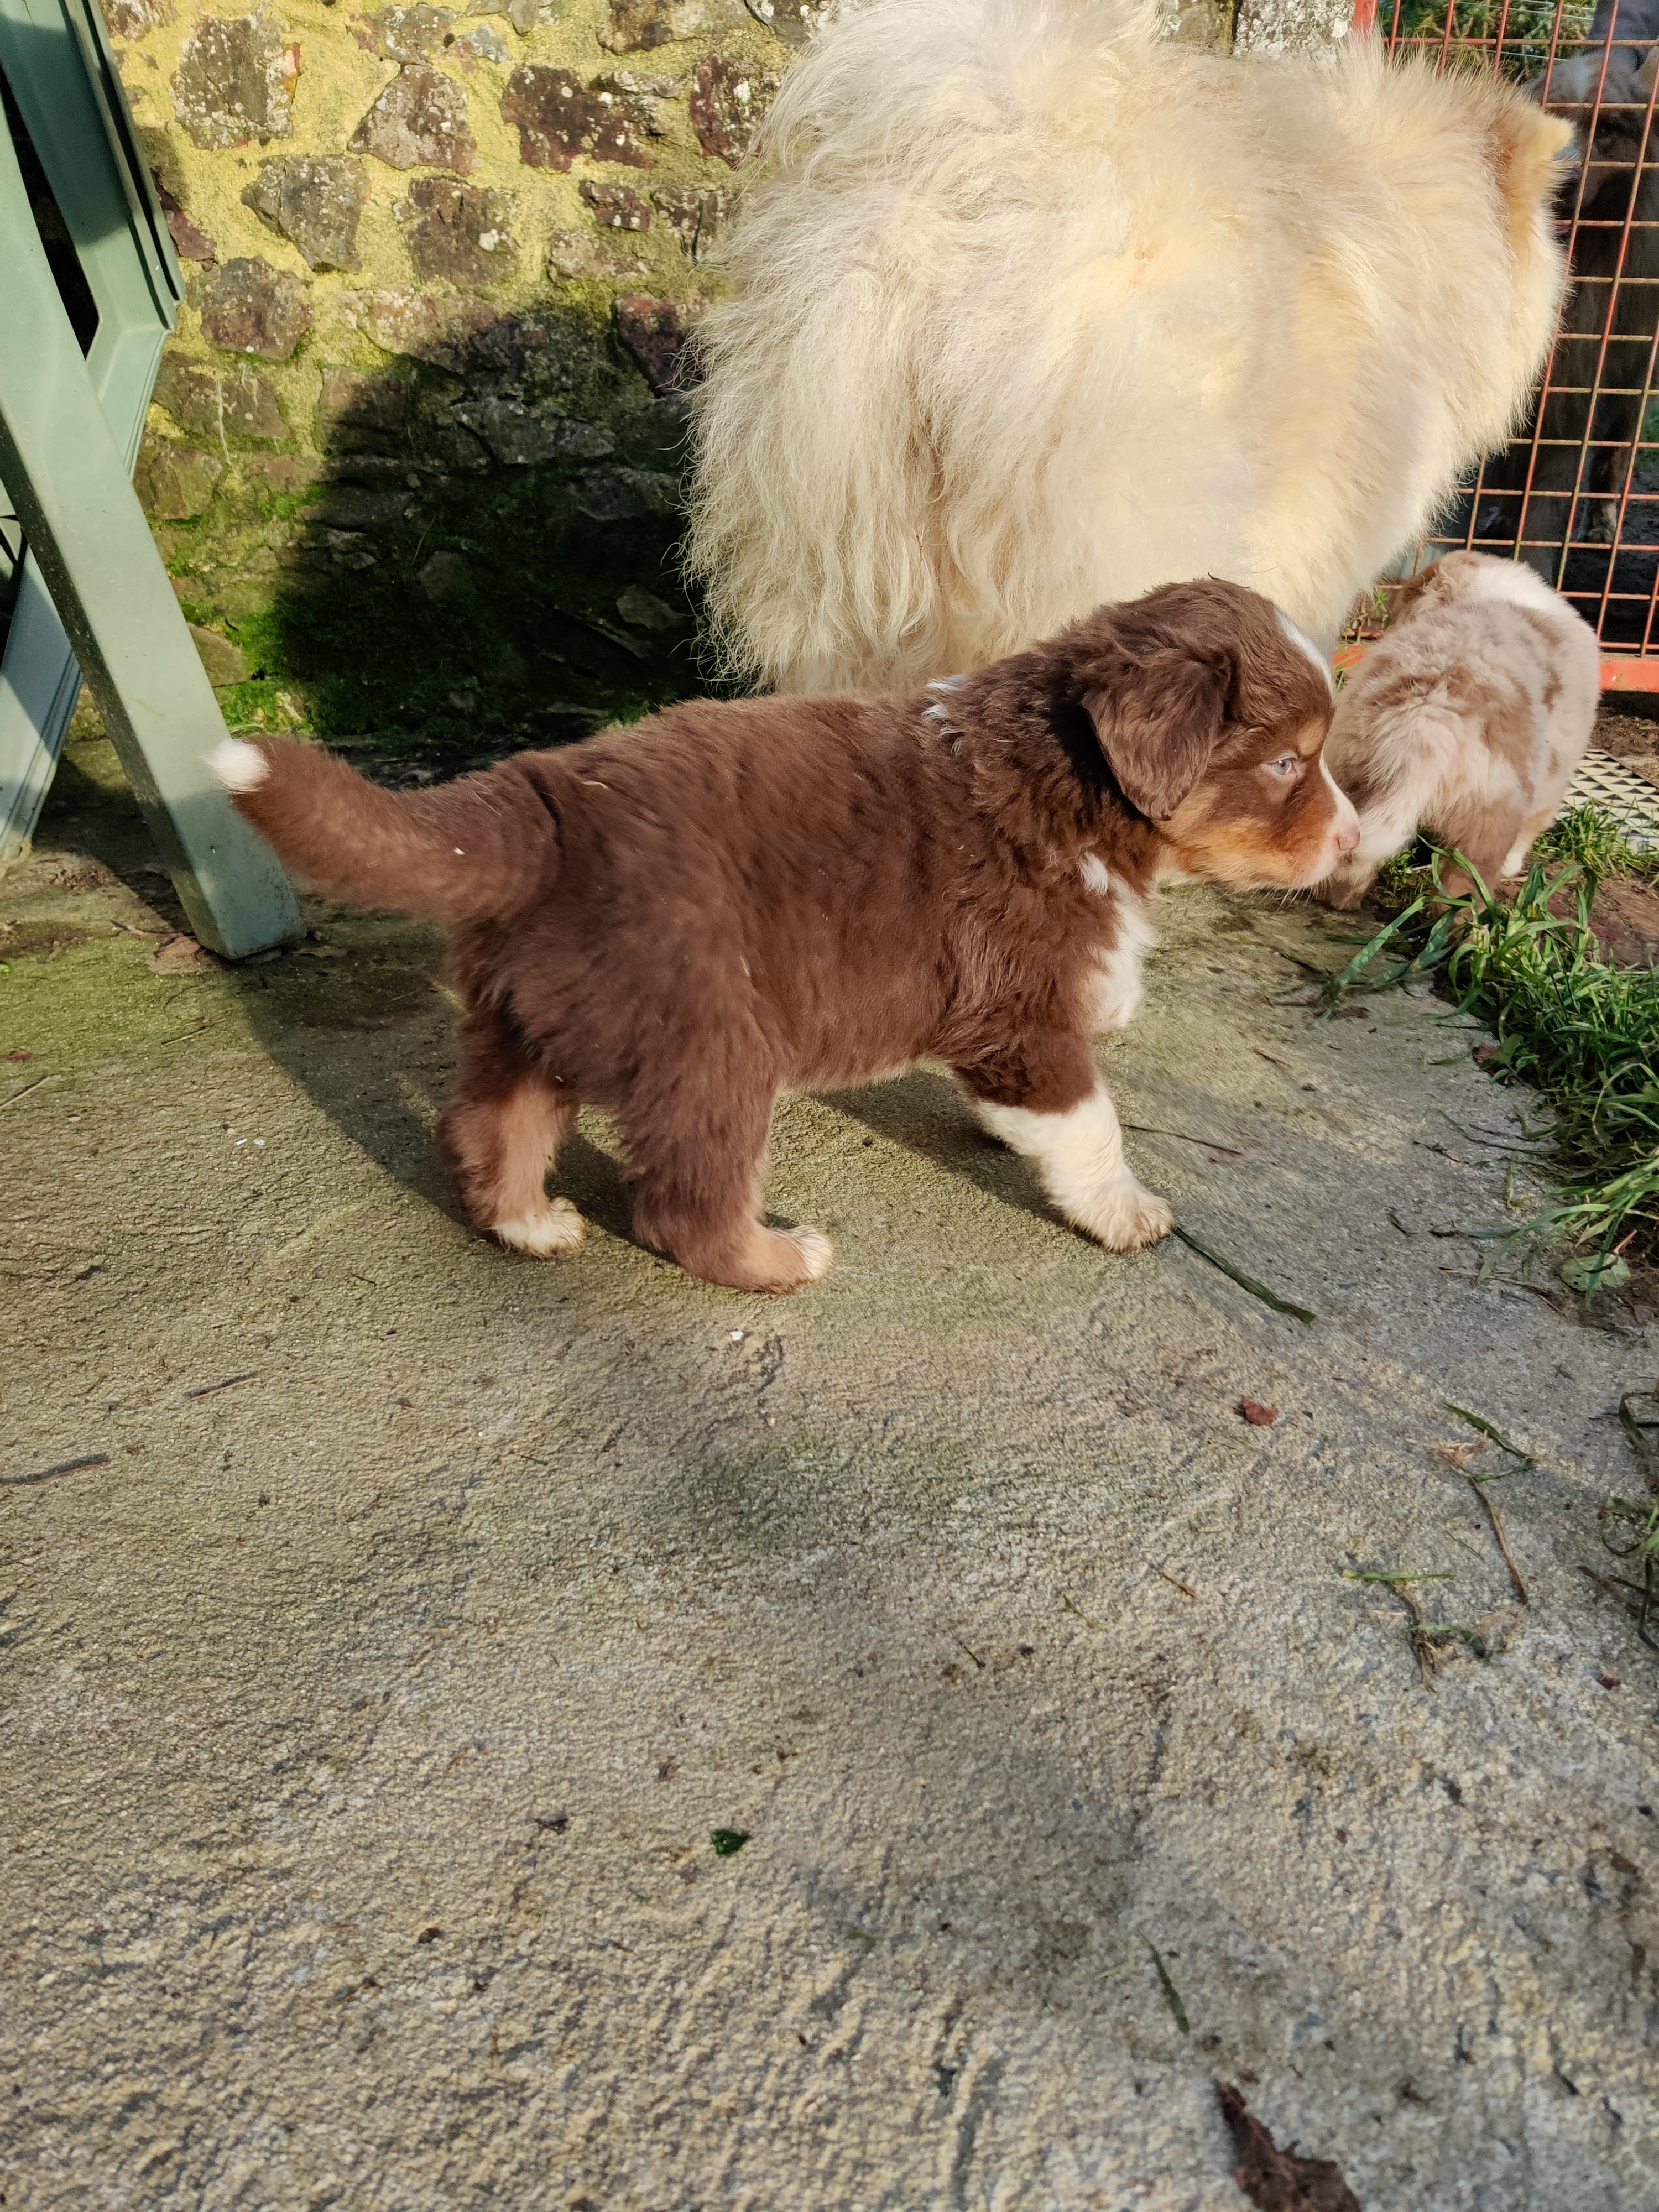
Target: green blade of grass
pixel 1245 1282
pixel 1171 1994
pixel 1497 1436
pixel 1338 983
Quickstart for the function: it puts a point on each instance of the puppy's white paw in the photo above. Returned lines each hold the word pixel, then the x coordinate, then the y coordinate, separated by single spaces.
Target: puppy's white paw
pixel 1123 1217
pixel 238 766
pixel 552 1231
pixel 817 1252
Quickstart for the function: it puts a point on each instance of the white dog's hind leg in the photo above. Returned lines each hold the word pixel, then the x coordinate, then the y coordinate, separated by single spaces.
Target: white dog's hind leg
pixel 1080 1156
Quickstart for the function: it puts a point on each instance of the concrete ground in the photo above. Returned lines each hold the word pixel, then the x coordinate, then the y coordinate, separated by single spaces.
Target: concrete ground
pixel 372 1696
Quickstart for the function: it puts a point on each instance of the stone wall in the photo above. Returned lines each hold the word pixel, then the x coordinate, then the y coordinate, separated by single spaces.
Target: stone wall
pixel 414 456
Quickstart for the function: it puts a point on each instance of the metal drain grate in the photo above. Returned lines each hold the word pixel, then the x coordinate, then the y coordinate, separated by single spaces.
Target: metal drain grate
pixel 1602 780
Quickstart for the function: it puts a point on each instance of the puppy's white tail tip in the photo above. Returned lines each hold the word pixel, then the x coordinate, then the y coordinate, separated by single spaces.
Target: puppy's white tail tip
pixel 238 766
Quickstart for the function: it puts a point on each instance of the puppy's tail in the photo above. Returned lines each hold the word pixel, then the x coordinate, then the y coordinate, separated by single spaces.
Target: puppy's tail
pixel 472 850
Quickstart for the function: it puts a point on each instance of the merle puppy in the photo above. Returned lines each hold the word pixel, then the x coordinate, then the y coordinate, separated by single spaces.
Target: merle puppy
pixel 675 921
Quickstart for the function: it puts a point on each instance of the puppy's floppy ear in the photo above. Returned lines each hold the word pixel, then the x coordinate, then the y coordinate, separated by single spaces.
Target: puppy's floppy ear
pixel 1159 720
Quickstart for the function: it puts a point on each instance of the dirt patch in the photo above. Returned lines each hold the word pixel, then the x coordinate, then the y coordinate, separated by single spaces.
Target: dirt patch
pixel 1625 917
pixel 1632 739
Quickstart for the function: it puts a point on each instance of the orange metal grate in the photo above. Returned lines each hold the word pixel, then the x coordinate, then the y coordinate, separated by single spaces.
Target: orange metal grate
pixel 1577 494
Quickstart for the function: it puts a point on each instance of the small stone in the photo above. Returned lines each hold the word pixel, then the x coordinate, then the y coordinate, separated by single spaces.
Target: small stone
pixel 646 612
pixel 354 400
pixel 794 21
pixel 371 469
pixel 402 320
pixel 248 306
pixel 243 404
pixel 419 122
pixel 695 218
pixel 641 88
pixel 443 576
pixel 279 476
pixel 483 44
pixel 728 99
pixel 315 202
pixel 175 482
pixel 131 19
pixel 225 663
pixel 457 233
pixel 191 243
pixel 616 206
pixel 617 494
pixel 654 332
pixel 647 95
pixel 518 437
pixel 558 118
pixel 447 448
pixel 405 34
pixel 235 81
pixel 636 25
pixel 351 506
pixel 575 254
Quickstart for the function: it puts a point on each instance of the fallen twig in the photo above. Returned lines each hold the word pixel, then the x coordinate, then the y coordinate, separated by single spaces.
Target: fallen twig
pixel 207 1389
pixel 1426 1635
pixel 50 1473
pixel 1628 1594
pixel 1245 1282
pixel 1151 1129
pixel 1478 1486
pixel 1186 1588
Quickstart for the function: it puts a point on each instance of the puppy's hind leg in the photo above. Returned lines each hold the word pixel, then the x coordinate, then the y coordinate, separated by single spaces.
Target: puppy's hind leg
pixel 698 1198
pixel 501 1136
pixel 1045 1101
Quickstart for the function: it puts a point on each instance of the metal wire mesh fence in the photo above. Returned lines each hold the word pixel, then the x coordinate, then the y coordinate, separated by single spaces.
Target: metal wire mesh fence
pixel 1575 495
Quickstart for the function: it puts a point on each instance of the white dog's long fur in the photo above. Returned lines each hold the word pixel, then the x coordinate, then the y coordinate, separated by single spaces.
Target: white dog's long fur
pixel 1037 310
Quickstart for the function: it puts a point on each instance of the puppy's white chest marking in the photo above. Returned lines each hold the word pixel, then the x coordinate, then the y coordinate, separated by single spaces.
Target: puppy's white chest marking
pixel 1095 873
pixel 1113 990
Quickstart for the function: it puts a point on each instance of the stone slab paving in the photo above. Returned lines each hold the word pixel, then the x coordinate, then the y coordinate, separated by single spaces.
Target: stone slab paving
pixel 368 1710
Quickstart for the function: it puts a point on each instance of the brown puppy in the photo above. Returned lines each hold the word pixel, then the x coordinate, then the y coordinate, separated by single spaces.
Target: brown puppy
pixel 676 921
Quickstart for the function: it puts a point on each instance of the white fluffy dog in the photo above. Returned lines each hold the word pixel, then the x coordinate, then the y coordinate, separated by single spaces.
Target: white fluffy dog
pixel 1038 310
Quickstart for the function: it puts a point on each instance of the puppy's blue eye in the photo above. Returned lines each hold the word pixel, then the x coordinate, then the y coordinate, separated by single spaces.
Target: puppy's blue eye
pixel 1286 764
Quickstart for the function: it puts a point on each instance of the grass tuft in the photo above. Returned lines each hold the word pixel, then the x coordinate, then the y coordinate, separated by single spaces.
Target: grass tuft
pixel 1584 1034
pixel 1596 840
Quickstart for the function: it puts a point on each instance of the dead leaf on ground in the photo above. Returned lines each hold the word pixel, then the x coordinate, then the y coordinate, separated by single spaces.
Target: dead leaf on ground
pixel 1277 2180
pixel 1258 1416
pixel 1460 1454
pixel 179 956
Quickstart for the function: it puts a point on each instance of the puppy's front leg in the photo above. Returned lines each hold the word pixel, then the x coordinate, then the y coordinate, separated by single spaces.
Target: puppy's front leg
pixel 1051 1107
